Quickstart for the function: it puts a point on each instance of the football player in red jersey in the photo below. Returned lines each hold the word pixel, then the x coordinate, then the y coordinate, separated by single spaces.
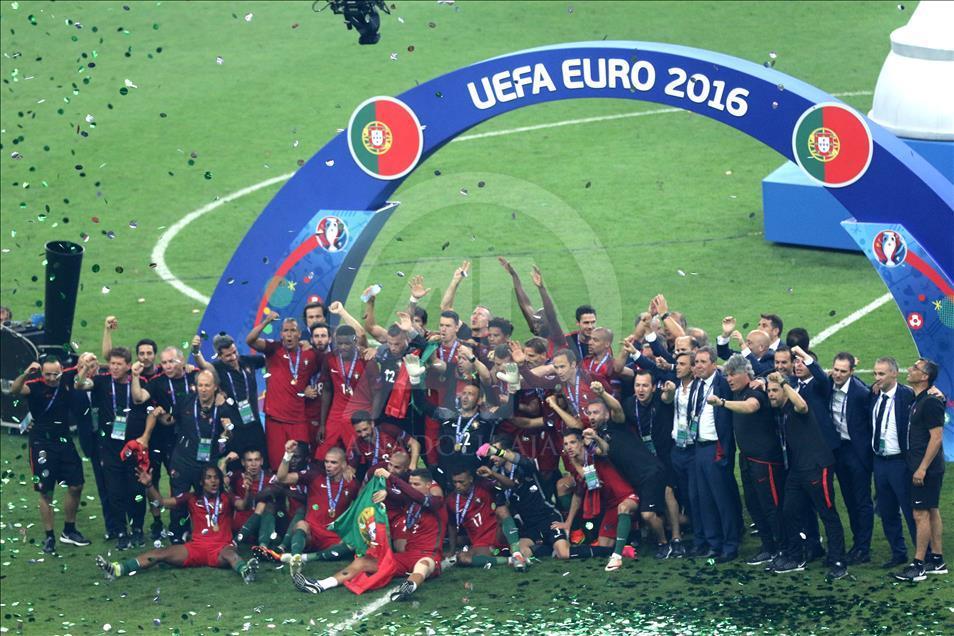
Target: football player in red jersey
pixel 418 534
pixel 599 486
pixel 470 511
pixel 210 510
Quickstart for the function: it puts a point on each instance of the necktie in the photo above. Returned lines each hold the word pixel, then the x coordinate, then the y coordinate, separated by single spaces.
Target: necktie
pixel 700 404
pixel 878 423
pixel 801 385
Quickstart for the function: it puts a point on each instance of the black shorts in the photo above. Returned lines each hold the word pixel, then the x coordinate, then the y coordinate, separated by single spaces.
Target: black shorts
pixel 538 529
pixel 54 461
pixel 927 496
pixel 652 493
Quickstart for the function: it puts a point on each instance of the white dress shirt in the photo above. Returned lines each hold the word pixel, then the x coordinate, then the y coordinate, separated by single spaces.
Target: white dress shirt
pixel 839 409
pixel 707 427
pixel 889 426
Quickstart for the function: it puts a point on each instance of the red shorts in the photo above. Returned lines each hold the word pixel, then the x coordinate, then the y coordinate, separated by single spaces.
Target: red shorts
pixel 203 554
pixel 277 433
pixel 611 517
pixel 338 432
pixel 407 560
pixel 320 537
pixel 483 537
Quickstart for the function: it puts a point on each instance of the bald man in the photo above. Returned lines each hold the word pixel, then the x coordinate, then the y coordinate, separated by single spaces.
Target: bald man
pixel 757 348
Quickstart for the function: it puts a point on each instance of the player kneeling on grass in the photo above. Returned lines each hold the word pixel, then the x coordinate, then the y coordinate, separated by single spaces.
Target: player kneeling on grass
pixel 470 510
pixel 520 492
pixel 210 511
pixel 599 488
pixel 417 533
pixel 254 509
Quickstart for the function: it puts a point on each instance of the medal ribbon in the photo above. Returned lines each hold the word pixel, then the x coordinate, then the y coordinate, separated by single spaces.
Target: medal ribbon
pixel 354 363
pixel 463 513
pixel 293 368
pixel 333 500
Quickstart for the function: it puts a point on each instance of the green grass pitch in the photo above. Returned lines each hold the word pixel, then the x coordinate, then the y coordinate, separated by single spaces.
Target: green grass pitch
pixel 612 211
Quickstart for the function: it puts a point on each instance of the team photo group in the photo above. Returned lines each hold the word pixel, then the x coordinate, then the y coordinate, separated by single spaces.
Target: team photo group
pixel 673 441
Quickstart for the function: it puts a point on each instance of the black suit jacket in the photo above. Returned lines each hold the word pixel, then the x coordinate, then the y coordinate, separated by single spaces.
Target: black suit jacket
pixel 818 396
pixel 762 366
pixel 858 416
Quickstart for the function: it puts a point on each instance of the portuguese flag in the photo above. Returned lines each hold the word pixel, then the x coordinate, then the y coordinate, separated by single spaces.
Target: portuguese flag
pixel 385 138
pixel 364 527
pixel 832 144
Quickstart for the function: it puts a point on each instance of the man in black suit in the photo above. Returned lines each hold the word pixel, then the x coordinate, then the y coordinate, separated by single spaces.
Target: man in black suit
pixel 849 413
pixel 719 501
pixel 815 388
pixel 890 408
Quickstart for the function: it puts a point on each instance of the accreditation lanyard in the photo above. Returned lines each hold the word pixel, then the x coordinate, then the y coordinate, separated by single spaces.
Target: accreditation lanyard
pixel 590 476
pixel 333 499
pixel 450 356
pixel 646 437
pixel 172 389
pixel 112 384
pixel 346 385
pixel 203 451
pixel 53 399
pixel 228 374
pixel 212 512
pixel 462 513
pixel 293 367
pixel 780 421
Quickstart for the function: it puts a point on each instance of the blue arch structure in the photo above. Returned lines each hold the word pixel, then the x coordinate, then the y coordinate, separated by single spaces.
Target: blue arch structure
pixel 900 192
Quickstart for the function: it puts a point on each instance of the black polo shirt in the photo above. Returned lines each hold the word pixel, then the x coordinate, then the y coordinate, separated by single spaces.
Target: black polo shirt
pixel 927 412
pixel 757 433
pixel 50 407
pixel 804 444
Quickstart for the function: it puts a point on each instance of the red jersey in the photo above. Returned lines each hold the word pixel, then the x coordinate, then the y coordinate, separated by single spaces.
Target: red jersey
pixel 289 374
pixel 385 439
pixel 327 499
pixel 613 488
pixel 473 513
pixel 239 517
pixel 348 386
pixel 211 518
pixel 423 528
pixel 601 369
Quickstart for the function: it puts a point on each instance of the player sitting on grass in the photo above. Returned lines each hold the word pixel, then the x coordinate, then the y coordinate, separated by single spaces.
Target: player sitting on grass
pixel 520 493
pixel 254 508
pixel 418 536
pixel 331 489
pixel 599 488
pixel 210 510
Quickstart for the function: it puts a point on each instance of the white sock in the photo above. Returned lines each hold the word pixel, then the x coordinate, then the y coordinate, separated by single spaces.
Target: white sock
pixel 328 583
pixel 413 585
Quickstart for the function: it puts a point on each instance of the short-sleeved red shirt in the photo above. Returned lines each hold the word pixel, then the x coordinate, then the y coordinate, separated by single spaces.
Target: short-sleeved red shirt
pixel 319 503
pixel 206 515
pixel 285 401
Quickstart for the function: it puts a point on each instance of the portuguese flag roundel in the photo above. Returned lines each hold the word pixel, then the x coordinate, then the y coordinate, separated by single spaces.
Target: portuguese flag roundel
pixel 385 138
pixel 832 144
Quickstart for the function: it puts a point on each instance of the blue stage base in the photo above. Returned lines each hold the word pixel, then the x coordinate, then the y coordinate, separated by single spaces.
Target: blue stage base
pixel 798 211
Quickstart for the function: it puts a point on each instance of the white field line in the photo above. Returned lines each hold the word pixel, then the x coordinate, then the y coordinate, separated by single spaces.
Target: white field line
pixel 366 610
pixel 850 318
pixel 159 251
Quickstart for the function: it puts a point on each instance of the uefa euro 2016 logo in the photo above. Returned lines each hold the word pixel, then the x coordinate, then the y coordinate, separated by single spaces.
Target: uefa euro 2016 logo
pixel 889 248
pixel 332 234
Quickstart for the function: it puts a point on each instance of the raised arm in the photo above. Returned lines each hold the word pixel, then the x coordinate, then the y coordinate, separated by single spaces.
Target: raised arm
pixel 554 330
pixel 615 408
pixel 139 394
pixel 111 325
pixel 748 405
pixel 370 321
pixel 339 310
pixel 447 300
pixel 523 300
pixel 254 339
pixel 801 406
pixel 282 473
pixel 19 386
pixel 197 355
pixel 590 437
pixel 568 419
